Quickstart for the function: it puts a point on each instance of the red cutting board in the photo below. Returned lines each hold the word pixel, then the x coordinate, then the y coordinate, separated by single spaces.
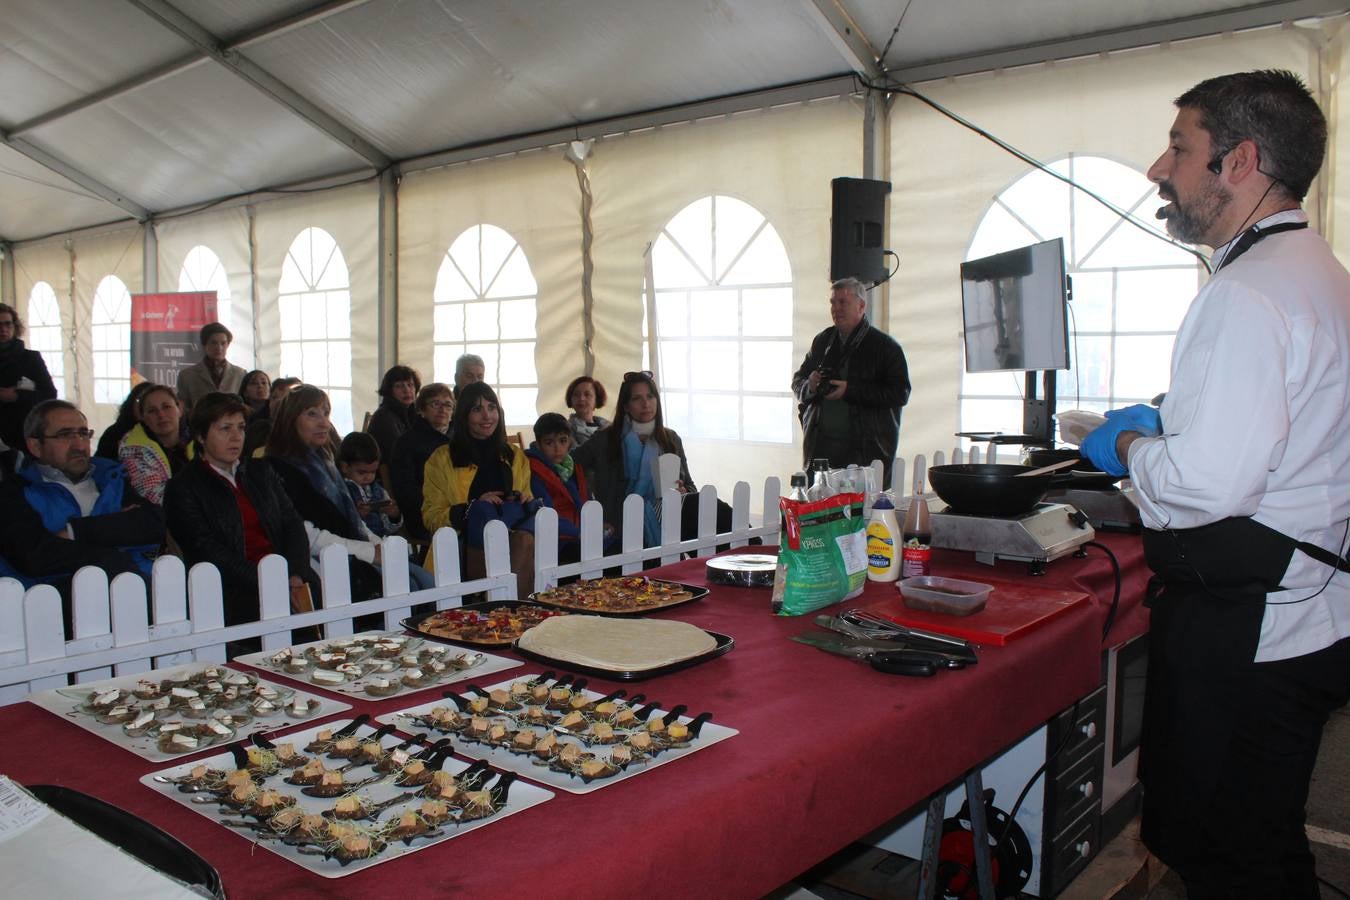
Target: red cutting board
pixel 1011 611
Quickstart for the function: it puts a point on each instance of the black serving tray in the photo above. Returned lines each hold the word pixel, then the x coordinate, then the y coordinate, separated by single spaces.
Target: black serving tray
pixel 696 592
pixel 413 623
pixel 724 645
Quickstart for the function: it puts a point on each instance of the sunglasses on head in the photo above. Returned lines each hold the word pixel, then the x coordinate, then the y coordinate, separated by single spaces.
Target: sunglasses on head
pixel 644 375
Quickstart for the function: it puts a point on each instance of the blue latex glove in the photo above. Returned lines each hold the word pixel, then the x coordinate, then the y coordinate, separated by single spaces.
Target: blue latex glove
pixel 1099 447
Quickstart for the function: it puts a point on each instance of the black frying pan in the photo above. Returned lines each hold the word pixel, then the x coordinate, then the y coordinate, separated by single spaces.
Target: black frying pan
pixel 1082 475
pixel 988 489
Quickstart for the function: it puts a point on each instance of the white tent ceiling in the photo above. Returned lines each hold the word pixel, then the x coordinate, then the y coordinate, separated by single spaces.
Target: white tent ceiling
pixel 129 108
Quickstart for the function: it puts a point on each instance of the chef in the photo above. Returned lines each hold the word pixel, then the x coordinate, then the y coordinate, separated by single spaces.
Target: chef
pixel 1243 479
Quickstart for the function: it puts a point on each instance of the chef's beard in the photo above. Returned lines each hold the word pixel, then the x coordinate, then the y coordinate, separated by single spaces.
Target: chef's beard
pixel 1191 221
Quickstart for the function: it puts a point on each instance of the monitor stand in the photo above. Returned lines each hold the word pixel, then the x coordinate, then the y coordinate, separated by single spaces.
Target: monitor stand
pixel 1038 417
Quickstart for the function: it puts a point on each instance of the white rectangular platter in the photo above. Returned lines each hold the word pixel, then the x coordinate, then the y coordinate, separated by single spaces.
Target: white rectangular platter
pixel 528 766
pixel 70 704
pixel 521 796
pixel 365 685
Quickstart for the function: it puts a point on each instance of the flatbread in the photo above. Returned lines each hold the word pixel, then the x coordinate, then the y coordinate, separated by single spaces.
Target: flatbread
pixel 616 645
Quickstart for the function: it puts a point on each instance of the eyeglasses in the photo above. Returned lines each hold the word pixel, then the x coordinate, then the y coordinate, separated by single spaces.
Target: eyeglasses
pixel 69 434
pixel 644 375
pixel 441 404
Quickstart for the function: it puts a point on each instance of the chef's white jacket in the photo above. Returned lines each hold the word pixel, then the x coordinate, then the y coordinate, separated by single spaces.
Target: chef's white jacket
pixel 1256 423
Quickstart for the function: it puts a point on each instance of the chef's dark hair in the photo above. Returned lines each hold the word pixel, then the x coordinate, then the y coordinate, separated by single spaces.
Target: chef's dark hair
pixel 1271 107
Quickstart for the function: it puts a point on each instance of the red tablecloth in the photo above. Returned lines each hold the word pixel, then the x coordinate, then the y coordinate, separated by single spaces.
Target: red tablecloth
pixel 828 750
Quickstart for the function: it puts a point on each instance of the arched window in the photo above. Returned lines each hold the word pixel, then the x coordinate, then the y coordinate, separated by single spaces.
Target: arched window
pixel 724 323
pixel 1130 290
pixel 315 303
pixel 112 340
pixel 485 304
pixel 44 332
pixel 203 271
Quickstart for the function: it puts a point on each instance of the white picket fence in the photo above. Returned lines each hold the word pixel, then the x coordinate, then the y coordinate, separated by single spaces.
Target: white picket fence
pixel 120 630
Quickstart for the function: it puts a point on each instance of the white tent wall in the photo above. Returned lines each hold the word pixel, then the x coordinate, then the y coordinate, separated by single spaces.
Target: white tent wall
pixel 49 262
pixel 97 256
pixel 1335 71
pixel 533 197
pixel 945 177
pixel 350 215
pixel 225 232
pixel 778 161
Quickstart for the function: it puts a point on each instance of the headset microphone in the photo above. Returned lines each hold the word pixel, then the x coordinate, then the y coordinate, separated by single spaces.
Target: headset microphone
pixel 1216 164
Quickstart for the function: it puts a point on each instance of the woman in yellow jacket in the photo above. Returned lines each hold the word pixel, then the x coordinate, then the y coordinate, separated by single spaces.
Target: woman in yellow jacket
pixel 478 477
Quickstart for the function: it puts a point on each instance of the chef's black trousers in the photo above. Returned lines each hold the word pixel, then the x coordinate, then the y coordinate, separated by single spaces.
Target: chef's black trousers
pixel 1229 747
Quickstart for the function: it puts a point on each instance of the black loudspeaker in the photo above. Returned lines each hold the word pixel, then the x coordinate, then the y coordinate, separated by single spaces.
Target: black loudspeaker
pixel 857 215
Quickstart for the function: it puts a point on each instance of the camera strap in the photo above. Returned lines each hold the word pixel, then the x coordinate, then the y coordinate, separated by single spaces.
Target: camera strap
pixel 837 352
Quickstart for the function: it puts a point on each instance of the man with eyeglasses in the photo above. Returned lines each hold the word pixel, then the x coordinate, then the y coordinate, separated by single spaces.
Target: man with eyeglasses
pixel 24 382
pixel 66 509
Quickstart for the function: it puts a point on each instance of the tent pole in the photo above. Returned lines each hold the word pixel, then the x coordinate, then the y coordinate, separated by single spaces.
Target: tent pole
pixel 386 303
pixel 149 258
pixel 8 294
pixel 876 165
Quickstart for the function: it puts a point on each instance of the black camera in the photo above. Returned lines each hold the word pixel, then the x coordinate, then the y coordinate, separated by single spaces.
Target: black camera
pixel 823 386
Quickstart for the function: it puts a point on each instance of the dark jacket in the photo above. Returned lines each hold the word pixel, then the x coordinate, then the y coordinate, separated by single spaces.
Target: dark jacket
pixel 878 385
pixel 122 533
pixel 388 424
pixel 17 363
pixel 406 467
pixel 313 507
pixel 204 519
pixel 607 476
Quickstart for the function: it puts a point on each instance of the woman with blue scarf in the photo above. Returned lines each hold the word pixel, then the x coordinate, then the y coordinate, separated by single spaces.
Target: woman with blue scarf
pixel 620 460
pixel 300 450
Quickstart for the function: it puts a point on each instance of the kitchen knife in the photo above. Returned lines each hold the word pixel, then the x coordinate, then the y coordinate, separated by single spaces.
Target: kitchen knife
pixel 892 662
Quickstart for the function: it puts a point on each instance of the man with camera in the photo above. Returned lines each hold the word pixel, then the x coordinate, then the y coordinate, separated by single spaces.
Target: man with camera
pixel 851 386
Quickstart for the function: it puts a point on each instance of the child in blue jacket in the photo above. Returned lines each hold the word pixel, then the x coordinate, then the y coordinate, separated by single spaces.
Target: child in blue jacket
pixel 557 481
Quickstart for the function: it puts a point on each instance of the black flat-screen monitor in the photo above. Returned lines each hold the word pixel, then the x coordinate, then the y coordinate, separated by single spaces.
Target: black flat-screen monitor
pixel 1014 306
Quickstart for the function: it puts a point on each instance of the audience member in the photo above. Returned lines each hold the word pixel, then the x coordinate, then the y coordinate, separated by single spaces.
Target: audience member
pixel 255 390
pixel 557 481
pixel 232 511
pixel 260 420
pixel 24 383
pixel 429 430
pixel 65 509
pixel 128 414
pixel 154 449
pixel 468 369
pixel 585 395
pixel 299 449
pixel 214 372
pixel 620 460
pixel 359 463
pixel 398 392
pixel 478 477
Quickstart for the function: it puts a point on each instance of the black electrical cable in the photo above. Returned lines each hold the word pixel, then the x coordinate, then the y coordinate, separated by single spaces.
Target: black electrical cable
pixel 1026 789
pixel 1115 595
pixel 891 273
pixel 1035 163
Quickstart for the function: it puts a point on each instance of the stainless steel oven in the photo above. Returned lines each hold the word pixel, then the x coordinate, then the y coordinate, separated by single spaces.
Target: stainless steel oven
pixel 1126 675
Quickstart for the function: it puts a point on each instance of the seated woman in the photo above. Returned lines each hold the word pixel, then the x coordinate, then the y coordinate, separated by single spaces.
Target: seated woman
pixel 478 477
pixel 299 450
pixel 232 511
pixel 428 430
pixel 585 395
pixel 155 448
pixel 255 390
pixel 398 392
pixel 128 414
pixel 621 456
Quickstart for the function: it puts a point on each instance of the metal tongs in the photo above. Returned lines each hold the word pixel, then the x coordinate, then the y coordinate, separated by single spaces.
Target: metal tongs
pixel 867 625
